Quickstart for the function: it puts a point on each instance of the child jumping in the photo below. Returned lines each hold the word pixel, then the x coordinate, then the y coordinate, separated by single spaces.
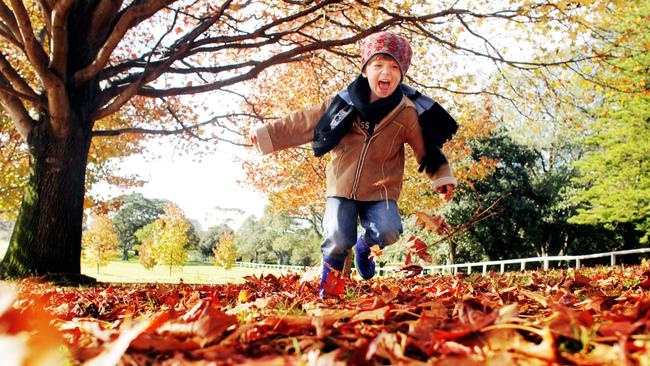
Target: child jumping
pixel 365 128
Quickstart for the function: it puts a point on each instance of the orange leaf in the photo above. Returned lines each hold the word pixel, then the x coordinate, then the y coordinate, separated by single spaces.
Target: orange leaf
pixel 430 222
pixel 375 251
pixel 411 270
pixel 419 248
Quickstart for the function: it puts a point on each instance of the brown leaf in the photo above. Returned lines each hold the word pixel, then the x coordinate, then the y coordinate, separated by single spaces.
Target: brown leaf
pixel 113 351
pixel 539 298
pixel 388 345
pixel 618 329
pixel 411 270
pixel 580 279
pixel 371 315
pixel 509 339
pixel 431 222
pixel 469 321
pixel 419 248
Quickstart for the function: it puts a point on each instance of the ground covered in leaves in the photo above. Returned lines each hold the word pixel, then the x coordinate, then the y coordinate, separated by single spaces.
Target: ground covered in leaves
pixel 594 316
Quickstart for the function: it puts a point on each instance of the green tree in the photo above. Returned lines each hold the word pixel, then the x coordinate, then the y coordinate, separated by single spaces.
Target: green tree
pixel 280 232
pixel 171 242
pixel 99 243
pixel 165 241
pixel 532 214
pixel 615 173
pixel 277 239
pixel 225 252
pixel 306 252
pixel 135 212
pixel 251 241
pixel 211 237
pixel 147 236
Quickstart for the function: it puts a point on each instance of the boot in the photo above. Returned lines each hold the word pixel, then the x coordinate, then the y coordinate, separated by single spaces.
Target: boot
pixel 332 283
pixel 365 264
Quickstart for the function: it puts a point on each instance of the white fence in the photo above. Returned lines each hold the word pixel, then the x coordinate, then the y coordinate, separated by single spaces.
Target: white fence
pixel 281 267
pixel 501 265
pixel 545 261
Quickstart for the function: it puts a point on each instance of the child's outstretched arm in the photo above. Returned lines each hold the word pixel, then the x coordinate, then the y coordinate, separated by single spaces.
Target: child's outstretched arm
pixel 293 130
pixel 443 179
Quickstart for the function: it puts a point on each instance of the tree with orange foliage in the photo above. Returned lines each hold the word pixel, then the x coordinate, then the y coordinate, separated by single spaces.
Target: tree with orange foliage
pixel 450 70
pixel 66 66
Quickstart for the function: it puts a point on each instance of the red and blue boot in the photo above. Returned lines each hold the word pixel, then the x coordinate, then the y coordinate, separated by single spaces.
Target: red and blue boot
pixel 332 283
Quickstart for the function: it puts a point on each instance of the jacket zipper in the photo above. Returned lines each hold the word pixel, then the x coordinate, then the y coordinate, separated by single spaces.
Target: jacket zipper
pixel 362 158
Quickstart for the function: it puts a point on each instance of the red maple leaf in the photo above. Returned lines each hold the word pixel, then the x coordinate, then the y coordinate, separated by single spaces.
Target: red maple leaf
pixel 334 284
pixel 419 248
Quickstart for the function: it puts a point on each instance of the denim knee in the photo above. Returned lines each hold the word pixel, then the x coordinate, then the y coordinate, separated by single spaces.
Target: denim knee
pixel 339 227
pixel 336 244
pixel 389 236
pixel 381 222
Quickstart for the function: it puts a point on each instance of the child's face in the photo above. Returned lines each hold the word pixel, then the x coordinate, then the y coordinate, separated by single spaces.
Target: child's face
pixel 384 76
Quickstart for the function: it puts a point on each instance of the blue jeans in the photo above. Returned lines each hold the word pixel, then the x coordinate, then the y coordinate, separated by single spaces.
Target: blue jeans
pixel 380 220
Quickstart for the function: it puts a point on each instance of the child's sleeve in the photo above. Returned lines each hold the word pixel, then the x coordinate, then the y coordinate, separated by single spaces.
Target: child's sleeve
pixel 443 175
pixel 293 130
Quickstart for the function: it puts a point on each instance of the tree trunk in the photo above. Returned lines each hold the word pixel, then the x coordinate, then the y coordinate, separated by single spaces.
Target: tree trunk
pixel 47 235
pixel 452 252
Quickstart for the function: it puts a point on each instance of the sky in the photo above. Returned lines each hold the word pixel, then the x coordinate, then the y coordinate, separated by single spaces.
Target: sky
pixel 199 188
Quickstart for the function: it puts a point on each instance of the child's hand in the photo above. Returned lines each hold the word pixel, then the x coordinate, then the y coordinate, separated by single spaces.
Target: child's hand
pixel 253 139
pixel 447 190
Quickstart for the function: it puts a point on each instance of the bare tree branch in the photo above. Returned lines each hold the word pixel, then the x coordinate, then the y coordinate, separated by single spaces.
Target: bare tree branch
pixel 46 9
pixel 15 79
pixel 152 74
pixel 9 21
pixel 59 42
pixel 37 56
pixel 10 91
pixel 134 15
pixel 6 33
pixel 177 131
pixel 19 115
pixel 102 18
pixel 289 56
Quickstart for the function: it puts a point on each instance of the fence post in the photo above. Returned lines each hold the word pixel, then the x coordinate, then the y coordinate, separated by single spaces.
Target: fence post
pixel 484 269
pixel 577 263
pixel 469 269
pixel 503 267
pixel 546 264
pixel 613 260
pixel 522 266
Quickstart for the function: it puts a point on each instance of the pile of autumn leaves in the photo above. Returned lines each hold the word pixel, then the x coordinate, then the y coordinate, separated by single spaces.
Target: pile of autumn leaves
pixel 595 316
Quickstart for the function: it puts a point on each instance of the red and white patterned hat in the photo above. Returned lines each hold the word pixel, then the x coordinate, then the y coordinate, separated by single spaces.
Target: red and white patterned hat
pixel 387 43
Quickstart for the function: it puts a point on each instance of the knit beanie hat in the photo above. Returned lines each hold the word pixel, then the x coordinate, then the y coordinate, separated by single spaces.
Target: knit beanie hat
pixel 387 43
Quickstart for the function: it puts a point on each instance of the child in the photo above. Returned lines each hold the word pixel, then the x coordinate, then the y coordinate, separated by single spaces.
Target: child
pixel 365 127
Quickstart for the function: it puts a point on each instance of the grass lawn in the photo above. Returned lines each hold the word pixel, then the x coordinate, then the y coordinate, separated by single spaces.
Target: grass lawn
pixel 133 272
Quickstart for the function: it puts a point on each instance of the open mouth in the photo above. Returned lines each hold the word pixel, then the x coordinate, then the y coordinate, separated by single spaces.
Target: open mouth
pixel 384 85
